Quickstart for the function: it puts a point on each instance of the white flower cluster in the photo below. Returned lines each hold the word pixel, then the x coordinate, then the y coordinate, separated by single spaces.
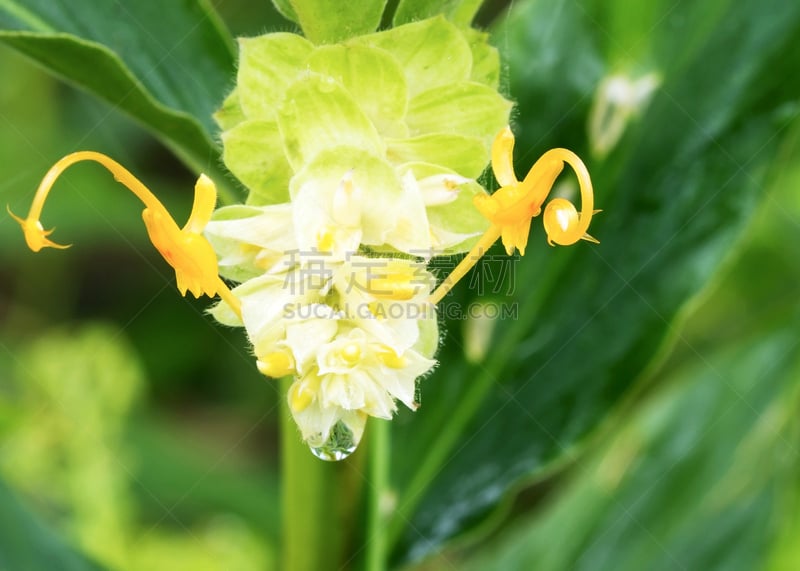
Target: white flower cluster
pixel 360 159
pixel 355 331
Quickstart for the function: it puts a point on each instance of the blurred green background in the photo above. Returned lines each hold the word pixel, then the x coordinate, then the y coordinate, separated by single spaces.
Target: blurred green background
pixel 136 433
pixel 130 421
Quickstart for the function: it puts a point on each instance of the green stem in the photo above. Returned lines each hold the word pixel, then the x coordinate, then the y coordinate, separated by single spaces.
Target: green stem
pixel 310 489
pixel 377 524
pixel 475 393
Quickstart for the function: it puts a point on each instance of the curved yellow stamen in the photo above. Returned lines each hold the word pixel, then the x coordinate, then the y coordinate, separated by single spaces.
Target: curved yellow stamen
pixel 186 250
pixel 511 208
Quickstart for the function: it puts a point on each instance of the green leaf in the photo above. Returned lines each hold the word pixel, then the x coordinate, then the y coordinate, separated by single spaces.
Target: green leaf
pixel 167 465
pixel 485 58
pixel 675 193
pixel 465 155
pixel 682 483
pixel 25 543
pixel 231 112
pixel 85 378
pixel 330 21
pixel 460 12
pixel 311 123
pixel 253 151
pixel 466 108
pixel 268 65
pixel 168 66
pixel 372 77
pixel 284 7
pixel 446 60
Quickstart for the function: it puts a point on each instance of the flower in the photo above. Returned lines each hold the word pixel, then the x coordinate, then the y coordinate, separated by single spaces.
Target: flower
pixel 356 179
pixel 351 376
pixel 35 235
pixel 356 332
pixel 360 160
pixel 186 250
pixel 512 206
pixel 307 122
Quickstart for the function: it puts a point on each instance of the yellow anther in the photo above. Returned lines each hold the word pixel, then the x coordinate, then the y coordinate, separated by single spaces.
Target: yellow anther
pixel 351 353
pixel 276 364
pixel 186 250
pixel 301 394
pixel 325 240
pixel 346 207
pixel 391 359
pixel 393 280
pixel 451 183
pixel 511 208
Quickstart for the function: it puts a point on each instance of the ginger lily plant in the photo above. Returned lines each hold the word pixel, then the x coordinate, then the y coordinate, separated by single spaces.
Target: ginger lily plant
pixel 361 159
pixel 364 158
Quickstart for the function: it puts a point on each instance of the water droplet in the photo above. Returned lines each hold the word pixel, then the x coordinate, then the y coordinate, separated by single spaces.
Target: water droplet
pixel 339 445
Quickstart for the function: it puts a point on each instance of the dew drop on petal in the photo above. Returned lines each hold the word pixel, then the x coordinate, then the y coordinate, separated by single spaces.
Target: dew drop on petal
pixel 339 445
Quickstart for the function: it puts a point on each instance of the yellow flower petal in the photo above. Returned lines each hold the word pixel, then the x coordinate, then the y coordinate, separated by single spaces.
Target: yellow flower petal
pixel 35 235
pixel 187 251
pixel 511 208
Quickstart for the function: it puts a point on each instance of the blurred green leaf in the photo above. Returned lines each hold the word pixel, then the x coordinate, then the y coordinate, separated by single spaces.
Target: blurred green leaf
pixel 25 543
pixel 683 482
pixel 73 448
pixel 460 12
pixel 284 7
pixel 168 466
pixel 167 65
pixel 74 390
pixel 329 21
pixel 675 192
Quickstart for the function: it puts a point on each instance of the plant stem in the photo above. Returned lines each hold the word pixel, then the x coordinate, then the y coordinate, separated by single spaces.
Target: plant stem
pixel 377 524
pixel 437 454
pixel 310 489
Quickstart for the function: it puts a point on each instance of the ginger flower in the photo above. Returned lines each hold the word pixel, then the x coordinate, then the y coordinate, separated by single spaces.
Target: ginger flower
pixel 511 208
pixel 186 250
pixel 355 332
pixel 355 180
pixel 352 375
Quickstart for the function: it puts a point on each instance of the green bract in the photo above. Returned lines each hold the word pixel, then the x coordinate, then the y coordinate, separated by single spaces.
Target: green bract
pixel 404 110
